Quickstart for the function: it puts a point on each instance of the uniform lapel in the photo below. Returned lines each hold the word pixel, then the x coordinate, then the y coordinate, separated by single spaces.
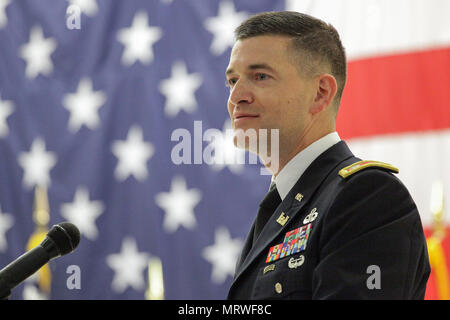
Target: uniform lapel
pixel 306 185
pixel 246 248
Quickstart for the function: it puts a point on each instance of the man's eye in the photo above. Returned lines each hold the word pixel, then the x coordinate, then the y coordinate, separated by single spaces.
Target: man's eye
pixel 261 76
pixel 230 82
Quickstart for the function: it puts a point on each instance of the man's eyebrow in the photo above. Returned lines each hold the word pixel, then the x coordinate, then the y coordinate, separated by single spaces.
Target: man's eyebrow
pixel 254 67
pixel 261 66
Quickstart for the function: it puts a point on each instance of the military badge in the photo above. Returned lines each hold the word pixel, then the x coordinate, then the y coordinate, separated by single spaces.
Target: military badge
pixel 294 241
pixel 311 216
pixel 298 197
pixel 294 263
pixel 269 268
pixel 282 219
pixel 274 253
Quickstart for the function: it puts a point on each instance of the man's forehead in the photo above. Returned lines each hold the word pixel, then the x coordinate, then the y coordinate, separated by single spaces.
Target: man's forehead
pixel 257 52
pixel 263 45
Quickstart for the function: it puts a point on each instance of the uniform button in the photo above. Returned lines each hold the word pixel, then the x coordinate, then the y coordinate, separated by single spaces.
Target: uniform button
pixel 278 287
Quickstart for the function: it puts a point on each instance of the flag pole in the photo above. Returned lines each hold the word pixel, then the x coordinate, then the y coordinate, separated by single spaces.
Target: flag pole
pixel 41 218
pixel 155 290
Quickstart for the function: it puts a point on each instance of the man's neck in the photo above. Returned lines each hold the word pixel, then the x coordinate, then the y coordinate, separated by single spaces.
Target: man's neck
pixel 290 153
pixel 296 166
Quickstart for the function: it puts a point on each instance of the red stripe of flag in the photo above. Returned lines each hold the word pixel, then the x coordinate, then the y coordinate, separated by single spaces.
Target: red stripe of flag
pixel 396 94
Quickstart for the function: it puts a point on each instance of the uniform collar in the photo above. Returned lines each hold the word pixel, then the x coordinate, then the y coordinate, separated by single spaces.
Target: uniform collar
pixel 294 169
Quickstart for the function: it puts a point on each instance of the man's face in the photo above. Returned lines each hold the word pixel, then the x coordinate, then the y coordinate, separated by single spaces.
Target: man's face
pixel 267 91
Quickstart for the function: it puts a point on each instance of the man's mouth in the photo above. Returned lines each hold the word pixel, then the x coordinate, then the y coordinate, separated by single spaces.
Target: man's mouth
pixel 244 116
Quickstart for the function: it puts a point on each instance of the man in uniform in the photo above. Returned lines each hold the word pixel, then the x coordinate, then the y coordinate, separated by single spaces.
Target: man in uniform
pixel 331 226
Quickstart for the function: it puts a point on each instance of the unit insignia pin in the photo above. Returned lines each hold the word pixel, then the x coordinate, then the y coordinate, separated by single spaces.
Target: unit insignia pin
pixel 298 197
pixel 282 219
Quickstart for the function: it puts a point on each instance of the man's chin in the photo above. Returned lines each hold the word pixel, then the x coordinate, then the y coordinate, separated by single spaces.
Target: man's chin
pixel 246 139
pixel 254 140
pixel 262 142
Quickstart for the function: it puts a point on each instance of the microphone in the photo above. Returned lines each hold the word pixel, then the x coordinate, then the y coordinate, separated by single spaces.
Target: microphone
pixel 62 239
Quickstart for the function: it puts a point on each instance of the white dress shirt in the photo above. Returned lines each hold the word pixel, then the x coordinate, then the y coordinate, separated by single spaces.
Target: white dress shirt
pixel 294 169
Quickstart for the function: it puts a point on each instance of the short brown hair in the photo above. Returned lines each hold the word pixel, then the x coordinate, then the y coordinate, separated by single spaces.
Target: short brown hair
pixel 317 41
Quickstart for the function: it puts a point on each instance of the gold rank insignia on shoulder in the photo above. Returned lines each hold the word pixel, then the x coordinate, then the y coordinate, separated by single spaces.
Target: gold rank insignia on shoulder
pixel 361 165
pixel 282 219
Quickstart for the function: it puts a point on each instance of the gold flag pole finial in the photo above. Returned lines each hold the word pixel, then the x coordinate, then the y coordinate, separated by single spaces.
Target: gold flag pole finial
pixel 435 250
pixel 41 212
pixel 155 290
pixel 41 218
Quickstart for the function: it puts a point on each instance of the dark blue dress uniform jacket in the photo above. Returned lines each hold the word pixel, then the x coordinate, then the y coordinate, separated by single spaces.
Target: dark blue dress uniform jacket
pixel 366 242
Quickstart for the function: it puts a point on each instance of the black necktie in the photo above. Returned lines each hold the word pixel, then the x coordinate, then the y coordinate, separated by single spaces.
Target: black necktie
pixel 266 208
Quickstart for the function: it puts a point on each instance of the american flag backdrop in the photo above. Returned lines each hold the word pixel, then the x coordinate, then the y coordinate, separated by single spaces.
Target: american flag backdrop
pixel 104 106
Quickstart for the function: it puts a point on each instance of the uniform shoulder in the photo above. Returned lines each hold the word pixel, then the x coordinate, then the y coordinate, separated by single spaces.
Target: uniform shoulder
pixel 365 164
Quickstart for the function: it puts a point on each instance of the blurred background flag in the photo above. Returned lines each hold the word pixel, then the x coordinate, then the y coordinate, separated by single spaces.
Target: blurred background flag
pixel 96 95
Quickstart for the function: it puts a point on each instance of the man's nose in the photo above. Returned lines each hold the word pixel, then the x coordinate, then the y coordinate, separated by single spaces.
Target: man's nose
pixel 241 93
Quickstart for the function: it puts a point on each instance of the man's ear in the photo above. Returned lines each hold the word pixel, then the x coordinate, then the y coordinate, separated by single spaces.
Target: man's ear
pixel 325 91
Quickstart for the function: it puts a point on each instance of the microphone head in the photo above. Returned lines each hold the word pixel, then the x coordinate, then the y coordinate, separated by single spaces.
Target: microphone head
pixel 66 237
